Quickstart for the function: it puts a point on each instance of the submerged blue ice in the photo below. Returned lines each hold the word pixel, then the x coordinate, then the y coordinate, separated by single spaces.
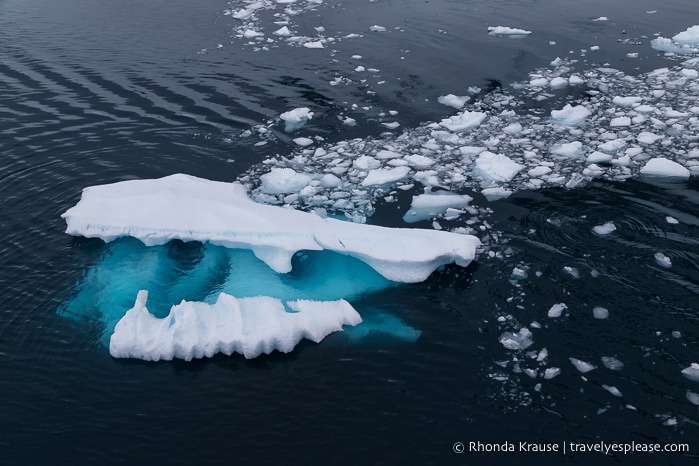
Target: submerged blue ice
pixel 196 271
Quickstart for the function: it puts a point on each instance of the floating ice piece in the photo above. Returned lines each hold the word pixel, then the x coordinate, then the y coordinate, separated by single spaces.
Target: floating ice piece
pixel 539 171
pixel 567 149
pixel 601 18
pixel 249 326
pixel 194 209
pixel 692 372
pixel 671 220
pixel 463 121
pixel 496 167
pixel 558 83
pixel 391 125
pixel 598 157
pixel 452 100
pixel 627 101
pixel 600 312
pixel 662 260
pixel 620 121
pixel 605 228
pixel 425 206
pixel 296 118
pixel 493 194
pixel 663 167
pixel 582 366
pixel 551 372
pixel 613 390
pixel 313 45
pixel 517 341
pixel 556 310
pixel 381 176
pixel 646 137
pixel 284 181
pixel 570 115
pixel 376 28
pixel 512 129
pixel 510 33
pixel 692 397
pixel 303 142
pixel 612 363
pixel 282 31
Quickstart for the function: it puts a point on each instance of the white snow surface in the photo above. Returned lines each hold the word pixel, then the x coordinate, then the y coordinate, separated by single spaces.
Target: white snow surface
pixel 193 209
pixel 249 326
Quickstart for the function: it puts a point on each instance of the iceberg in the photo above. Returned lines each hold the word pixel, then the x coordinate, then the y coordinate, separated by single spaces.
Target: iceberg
pixel 249 326
pixel 660 166
pixel 229 261
pixel 194 209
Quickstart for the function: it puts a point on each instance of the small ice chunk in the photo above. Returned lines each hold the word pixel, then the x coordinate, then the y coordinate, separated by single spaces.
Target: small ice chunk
pixel 600 312
pixel 671 220
pixel 452 100
pixel 692 397
pixel 601 18
pixel 510 33
pixel 612 363
pixel 627 101
pixel 692 372
pixel 662 260
pixel 570 115
pixel 539 171
pixel 620 121
pixel 313 45
pixel 381 176
pixel 391 125
pixel 512 129
pixel 284 181
pixel 605 228
pixel 282 31
pixel 613 390
pixel 425 206
pixel 551 372
pixel 517 341
pixel 581 365
pixel 558 83
pixel 303 142
pixel 646 137
pixel 598 157
pixel 296 118
pixel 463 121
pixel 660 166
pixel 496 167
pixel 567 149
pixel 493 194
pixel 556 310
pixel 376 28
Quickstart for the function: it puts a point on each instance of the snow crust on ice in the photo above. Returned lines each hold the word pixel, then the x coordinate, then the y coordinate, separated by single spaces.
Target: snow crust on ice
pixel 193 209
pixel 249 326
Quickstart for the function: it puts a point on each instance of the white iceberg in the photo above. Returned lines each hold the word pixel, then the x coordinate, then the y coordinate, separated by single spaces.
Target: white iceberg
pixel 452 100
pixel 249 326
pixel 684 43
pixel 193 209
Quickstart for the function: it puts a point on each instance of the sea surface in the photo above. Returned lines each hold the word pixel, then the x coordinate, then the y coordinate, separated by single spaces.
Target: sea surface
pixel 99 92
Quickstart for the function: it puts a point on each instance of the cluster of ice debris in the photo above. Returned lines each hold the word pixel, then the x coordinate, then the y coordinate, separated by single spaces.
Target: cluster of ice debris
pixel 613 126
pixel 250 26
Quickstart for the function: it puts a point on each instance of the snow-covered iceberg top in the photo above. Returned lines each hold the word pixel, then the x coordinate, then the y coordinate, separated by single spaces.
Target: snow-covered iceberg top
pixel 193 209
pixel 249 326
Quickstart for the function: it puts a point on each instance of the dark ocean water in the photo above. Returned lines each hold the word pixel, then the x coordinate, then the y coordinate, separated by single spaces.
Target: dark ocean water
pixel 93 93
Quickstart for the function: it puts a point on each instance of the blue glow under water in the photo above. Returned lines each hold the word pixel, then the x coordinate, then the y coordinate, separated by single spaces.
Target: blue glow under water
pixel 195 271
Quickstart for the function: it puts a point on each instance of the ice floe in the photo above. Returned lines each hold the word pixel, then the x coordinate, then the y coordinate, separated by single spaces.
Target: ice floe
pixel 509 32
pixel 582 366
pixel 692 372
pixel 296 118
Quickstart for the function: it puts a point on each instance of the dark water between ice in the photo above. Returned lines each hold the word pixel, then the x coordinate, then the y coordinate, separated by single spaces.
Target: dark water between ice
pixel 93 93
